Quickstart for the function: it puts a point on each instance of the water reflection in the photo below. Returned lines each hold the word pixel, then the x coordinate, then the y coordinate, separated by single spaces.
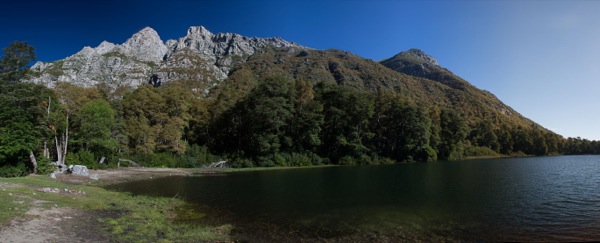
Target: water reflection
pixel 543 198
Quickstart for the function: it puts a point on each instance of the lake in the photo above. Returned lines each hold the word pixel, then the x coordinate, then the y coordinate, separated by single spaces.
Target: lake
pixel 512 199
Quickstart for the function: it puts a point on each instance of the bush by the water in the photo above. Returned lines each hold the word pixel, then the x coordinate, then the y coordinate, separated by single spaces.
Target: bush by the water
pixel 14 170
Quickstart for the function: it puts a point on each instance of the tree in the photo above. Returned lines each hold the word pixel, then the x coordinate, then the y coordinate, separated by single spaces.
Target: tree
pixel 13 65
pixel 484 135
pixel 347 113
pixel 403 130
pixel 305 126
pixel 23 124
pixel 95 120
pixel 143 113
pixel 453 132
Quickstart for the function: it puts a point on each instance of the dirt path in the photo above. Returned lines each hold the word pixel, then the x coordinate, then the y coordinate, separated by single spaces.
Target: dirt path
pixel 42 224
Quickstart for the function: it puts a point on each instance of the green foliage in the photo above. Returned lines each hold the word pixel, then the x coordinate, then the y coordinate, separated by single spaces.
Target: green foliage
pixel 477 151
pixel 302 159
pixel 452 134
pixel 23 123
pixel 95 120
pixel 10 170
pixel 13 65
pixel 84 157
pixel 44 166
pixel 346 113
pixel 159 160
pixel 241 162
pixel 196 156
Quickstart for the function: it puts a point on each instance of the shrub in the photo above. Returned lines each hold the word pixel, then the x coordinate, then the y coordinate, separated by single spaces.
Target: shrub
pixel 83 157
pixel 299 159
pixel 347 160
pixel 476 151
pixel 196 156
pixel 14 170
pixel 44 166
pixel 240 162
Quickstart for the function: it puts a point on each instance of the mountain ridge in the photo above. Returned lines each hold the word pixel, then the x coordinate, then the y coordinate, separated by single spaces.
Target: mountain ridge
pixel 144 54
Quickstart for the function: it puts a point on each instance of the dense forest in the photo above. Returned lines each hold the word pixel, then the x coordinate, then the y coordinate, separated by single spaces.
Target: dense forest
pixel 271 119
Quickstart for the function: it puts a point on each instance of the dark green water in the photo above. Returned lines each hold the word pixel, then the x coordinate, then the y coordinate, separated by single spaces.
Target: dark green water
pixel 524 199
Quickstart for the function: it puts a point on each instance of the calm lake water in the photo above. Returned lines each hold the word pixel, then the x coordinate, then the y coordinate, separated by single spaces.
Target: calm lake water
pixel 513 199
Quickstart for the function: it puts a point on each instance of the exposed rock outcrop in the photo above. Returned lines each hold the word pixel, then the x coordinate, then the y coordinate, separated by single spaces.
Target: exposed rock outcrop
pixel 200 56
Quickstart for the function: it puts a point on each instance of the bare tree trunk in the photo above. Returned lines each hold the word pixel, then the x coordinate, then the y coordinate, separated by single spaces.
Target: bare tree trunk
pixel 33 161
pixel 61 146
pixel 58 151
pixel 46 152
pixel 66 140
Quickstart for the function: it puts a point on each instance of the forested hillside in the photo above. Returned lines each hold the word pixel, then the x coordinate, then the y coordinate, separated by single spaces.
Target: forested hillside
pixel 280 106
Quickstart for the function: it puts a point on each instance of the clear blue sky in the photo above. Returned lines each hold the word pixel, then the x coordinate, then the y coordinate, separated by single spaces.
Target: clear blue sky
pixel 540 57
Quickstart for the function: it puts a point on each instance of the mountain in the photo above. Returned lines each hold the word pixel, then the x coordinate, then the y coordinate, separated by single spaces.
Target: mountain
pixel 226 69
pixel 413 74
pixel 417 63
pixel 200 56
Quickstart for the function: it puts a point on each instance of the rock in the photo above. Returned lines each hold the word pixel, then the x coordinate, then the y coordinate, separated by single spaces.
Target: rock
pixel 145 45
pixel 421 55
pixel 53 175
pixel 200 55
pixel 94 177
pixel 81 170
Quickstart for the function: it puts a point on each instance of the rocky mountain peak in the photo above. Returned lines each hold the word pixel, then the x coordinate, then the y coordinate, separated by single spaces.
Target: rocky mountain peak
pixel 145 45
pixel 421 56
pixel 198 32
pixel 105 47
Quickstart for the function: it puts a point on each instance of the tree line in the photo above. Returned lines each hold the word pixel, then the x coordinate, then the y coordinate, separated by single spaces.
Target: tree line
pixel 271 121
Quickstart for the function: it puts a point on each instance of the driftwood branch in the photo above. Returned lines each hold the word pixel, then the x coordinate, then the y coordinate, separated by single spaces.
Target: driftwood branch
pixel 131 162
pixel 220 164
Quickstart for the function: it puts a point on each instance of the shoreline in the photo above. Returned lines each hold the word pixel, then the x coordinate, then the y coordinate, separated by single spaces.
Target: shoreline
pixel 74 208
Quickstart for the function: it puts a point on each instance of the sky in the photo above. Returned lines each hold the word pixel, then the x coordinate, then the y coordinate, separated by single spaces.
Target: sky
pixel 541 57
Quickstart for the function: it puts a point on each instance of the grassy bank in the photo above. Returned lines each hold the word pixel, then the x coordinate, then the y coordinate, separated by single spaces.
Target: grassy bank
pixel 121 217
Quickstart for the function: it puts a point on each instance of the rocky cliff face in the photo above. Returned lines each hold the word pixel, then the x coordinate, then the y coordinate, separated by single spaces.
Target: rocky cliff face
pixel 200 56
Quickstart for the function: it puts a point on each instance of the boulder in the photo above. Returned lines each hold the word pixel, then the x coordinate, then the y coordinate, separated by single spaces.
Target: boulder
pixel 81 170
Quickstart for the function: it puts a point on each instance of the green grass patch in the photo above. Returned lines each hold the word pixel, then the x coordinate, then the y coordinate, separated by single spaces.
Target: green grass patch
pixel 12 204
pixel 127 218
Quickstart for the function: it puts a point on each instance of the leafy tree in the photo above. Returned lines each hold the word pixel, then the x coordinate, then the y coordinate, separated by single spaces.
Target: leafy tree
pixel 403 130
pixel 305 126
pixel 178 102
pixel 23 124
pixel 143 113
pixel 522 140
pixel 269 112
pixel 13 65
pixel 95 120
pixel 484 135
pixel 453 132
pixel 347 113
